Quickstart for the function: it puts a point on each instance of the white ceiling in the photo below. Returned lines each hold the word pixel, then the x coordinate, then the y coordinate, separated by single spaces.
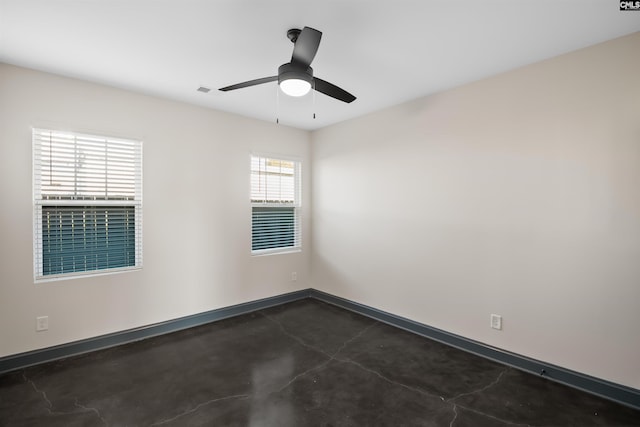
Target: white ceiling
pixel 385 52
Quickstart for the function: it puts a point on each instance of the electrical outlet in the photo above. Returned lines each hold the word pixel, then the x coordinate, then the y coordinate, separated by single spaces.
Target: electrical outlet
pixel 42 323
pixel 294 276
pixel 496 321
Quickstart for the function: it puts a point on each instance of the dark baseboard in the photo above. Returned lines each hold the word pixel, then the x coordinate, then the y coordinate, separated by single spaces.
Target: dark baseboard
pixel 23 360
pixel 624 395
pixel 621 394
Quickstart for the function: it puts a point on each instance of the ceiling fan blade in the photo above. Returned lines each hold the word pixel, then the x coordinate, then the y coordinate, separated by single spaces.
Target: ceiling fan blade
pixel 332 90
pixel 249 83
pixel 306 46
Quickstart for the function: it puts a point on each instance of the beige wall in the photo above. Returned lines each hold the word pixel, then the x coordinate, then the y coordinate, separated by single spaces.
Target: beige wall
pixel 516 195
pixel 197 215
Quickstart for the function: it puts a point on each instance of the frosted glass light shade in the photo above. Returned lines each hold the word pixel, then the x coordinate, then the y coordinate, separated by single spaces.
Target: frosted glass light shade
pixel 295 87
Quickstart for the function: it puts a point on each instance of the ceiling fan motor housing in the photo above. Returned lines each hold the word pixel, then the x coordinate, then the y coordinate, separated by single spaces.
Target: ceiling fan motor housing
pixel 292 71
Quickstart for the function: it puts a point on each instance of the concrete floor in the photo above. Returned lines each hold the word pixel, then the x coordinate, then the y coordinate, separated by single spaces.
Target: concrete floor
pixel 305 363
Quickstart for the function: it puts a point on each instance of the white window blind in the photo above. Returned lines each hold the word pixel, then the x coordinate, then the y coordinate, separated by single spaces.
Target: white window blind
pixel 275 204
pixel 87 203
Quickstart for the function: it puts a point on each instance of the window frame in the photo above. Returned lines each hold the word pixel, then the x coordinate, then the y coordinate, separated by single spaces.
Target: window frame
pixel 296 204
pixel 41 200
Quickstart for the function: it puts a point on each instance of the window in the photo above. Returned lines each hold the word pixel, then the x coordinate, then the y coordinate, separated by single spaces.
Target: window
pixel 275 205
pixel 87 193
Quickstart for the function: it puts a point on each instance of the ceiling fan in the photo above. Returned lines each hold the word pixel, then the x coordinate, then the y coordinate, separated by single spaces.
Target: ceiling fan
pixel 296 78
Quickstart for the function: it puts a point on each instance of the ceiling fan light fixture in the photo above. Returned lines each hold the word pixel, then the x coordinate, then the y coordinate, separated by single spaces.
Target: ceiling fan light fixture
pixel 295 87
pixel 295 80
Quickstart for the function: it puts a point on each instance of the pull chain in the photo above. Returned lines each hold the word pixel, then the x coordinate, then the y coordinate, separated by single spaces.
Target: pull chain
pixel 277 104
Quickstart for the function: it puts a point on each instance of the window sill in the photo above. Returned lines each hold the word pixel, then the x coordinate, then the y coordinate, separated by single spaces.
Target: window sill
pixel 283 251
pixel 84 274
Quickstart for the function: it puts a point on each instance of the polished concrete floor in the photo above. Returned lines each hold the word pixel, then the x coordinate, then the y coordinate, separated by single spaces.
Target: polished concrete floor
pixel 301 364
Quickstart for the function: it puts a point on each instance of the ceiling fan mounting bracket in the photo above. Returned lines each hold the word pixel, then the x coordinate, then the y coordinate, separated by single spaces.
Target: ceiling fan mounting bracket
pixel 293 34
